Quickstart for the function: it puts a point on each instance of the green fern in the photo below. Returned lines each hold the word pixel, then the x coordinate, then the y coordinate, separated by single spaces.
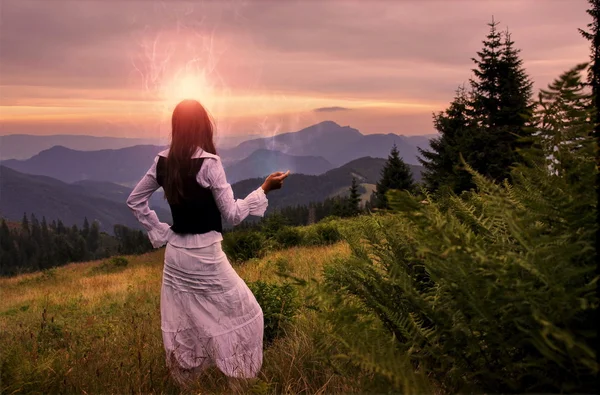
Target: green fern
pixel 492 290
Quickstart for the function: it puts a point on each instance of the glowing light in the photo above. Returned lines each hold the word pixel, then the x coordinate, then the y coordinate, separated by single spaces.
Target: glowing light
pixel 189 86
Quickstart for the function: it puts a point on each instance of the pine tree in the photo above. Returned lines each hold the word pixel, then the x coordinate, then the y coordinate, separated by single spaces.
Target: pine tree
pixel 35 240
pixel 79 248
pixel 93 239
pixel 455 126
pixel 25 224
pixel 501 106
pixel 7 251
pixel 312 211
pixel 486 125
pixel 593 36
pixel 354 199
pixel 340 207
pixel 487 77
pixel 60 228
pixel 395 175
pixel 562 119
pixel 5 241
pixel 86 228
pixel 47 246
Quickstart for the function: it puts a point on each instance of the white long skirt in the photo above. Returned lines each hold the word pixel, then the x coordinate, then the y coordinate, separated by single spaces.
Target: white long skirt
pixel 209 316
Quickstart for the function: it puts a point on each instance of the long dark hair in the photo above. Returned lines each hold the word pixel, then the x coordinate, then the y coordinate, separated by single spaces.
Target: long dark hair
pixel 191 128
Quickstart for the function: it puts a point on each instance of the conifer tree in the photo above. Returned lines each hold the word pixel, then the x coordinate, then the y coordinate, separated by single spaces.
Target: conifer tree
pixel 395 175
pixel 35 240
pixel 25 223
pixel 501 105
pixel 93 238
pixel 5 241
pixel 562 119
pixel 487 124
pixel 60 227
pixel 593 36
pixel 354 199
pixel 7 261
pixel 455 126
pixel 86 228
pixel 47 246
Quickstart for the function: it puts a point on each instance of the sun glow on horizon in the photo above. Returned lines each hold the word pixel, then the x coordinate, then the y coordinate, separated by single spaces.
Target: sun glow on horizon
pixel 194 86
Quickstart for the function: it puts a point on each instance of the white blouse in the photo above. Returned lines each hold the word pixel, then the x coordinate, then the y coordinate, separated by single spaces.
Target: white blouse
pixel 212 176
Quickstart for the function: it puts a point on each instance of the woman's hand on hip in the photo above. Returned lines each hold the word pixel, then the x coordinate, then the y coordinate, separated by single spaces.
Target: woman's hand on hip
pixel 274 181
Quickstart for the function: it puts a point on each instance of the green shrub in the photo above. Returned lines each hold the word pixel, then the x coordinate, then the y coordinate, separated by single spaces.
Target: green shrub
pixel 241 246
pixel 288 237
pixel 272 224
pixel 330 219
pixel 112 265
pixel 48 274
pixel 322 234
pixel 119 261
pixel 279 304
pixel 283 265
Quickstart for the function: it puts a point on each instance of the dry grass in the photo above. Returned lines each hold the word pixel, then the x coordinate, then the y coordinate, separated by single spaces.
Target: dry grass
pixel 83 329
pixel 79 279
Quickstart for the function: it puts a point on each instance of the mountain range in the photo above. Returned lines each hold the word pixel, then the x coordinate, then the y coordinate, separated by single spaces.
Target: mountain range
pixel 71 203
pixel 69 184
pixel 126 166
pixel 337 144
pixel 310 151
pixel 105 202
pixel 24 146
pixel 123 166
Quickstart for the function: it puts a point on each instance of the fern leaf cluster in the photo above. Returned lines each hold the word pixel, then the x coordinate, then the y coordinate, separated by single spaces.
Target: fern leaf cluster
pixel 493 290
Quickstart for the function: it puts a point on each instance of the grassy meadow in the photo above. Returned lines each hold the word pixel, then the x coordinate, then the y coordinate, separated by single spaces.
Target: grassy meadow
pixel 95 328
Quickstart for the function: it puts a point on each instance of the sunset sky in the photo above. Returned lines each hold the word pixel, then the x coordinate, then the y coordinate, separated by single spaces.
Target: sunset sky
pixel 116 68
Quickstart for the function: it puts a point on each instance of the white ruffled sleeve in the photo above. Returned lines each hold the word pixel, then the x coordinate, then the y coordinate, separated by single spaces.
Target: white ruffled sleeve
pixel 234 211
pixel 158 232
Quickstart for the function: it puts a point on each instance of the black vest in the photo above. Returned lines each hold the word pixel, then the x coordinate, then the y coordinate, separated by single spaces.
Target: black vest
pixel 197 212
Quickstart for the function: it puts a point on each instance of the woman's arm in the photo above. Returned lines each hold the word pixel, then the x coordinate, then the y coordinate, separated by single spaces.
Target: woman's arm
pixel 138 203
pixel 234 211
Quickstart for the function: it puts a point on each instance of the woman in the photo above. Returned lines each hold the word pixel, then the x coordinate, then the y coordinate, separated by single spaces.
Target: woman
pixel 208 314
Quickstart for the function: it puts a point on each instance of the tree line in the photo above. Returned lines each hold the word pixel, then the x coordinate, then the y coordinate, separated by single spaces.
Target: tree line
pixel 37 245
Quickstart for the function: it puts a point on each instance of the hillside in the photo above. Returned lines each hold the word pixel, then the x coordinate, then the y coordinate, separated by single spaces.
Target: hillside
pixel 302 189
pixel 318 140
pixel 337 144
pixel 125 165
pixel 263 162
pixel 377 146
pixel 119 193
pixel 368 169
pixel 100 328
pixel 54 199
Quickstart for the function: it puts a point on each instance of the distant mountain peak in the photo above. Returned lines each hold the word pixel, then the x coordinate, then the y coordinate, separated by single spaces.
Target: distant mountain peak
pixel 57 148
pixel 328 123
pixel 327 126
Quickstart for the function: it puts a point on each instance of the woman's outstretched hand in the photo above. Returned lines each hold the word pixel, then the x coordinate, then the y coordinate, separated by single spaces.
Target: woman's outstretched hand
pixel 274 181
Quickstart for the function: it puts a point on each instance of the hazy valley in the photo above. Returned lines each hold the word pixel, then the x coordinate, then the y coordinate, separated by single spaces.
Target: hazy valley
pixel 71 184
